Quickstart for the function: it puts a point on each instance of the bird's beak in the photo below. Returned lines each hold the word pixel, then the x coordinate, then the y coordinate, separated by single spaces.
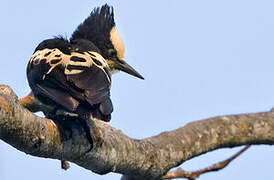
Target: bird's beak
pixel 123 66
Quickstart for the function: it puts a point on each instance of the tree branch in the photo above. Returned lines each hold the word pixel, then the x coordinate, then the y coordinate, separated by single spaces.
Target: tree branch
pixel 149 158
pixel 180 173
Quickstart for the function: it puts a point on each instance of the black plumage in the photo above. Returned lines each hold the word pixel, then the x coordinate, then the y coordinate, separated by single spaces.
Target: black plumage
pixel 96 28
pixel 75 75
pixel 87 90
pixel 71 76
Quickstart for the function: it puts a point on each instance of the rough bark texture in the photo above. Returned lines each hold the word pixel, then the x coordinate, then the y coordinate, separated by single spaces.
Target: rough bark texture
pixel 113 151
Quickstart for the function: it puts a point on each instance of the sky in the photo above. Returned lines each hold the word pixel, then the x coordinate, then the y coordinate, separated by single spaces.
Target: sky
pixel 200 59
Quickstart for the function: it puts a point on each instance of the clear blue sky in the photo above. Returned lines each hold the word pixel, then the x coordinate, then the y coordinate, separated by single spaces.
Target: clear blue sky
pixel 200 59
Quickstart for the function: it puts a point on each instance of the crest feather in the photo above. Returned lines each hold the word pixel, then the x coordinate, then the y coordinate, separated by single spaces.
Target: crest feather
pixel 96 28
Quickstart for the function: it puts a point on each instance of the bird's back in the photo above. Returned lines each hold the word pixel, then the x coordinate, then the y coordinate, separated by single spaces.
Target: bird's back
pixel 72 76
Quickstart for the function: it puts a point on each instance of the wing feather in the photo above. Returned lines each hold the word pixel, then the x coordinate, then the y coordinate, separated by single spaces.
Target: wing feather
pixel 75 79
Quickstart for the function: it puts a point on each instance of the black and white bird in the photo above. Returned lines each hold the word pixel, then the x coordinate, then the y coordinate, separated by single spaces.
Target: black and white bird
pixel 74 75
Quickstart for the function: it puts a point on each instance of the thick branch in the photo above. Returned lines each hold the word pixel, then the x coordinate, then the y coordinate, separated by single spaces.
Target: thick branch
pixel 113 151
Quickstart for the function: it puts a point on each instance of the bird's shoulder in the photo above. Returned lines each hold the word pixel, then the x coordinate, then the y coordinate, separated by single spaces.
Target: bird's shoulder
pixel 73 58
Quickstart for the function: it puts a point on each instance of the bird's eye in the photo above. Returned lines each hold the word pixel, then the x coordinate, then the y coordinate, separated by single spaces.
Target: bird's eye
pixel 112 52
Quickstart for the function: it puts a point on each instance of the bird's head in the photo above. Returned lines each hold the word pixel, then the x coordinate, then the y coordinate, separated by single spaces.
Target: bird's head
pixel 99 28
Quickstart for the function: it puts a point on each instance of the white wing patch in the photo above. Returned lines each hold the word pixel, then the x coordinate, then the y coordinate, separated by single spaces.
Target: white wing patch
pixel 73 64
pixel 52 56
pixel 100 62
pixel 84 60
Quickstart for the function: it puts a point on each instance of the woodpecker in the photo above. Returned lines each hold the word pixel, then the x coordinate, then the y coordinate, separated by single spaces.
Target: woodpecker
pixel 74 75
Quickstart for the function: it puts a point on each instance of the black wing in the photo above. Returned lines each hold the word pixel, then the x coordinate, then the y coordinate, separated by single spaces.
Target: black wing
pixel 70 80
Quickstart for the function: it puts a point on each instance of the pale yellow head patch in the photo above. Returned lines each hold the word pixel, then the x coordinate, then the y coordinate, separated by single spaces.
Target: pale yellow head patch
pixel 117 43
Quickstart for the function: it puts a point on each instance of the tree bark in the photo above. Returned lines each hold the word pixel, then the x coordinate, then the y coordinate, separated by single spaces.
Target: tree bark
pixel 112 151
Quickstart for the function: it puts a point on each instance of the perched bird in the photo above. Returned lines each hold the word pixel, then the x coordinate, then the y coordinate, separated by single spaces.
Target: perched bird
pixel 75 75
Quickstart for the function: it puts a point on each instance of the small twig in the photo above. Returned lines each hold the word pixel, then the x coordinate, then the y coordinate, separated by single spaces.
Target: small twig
pixel 32 104
pixel 180 173
pixel 65 165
